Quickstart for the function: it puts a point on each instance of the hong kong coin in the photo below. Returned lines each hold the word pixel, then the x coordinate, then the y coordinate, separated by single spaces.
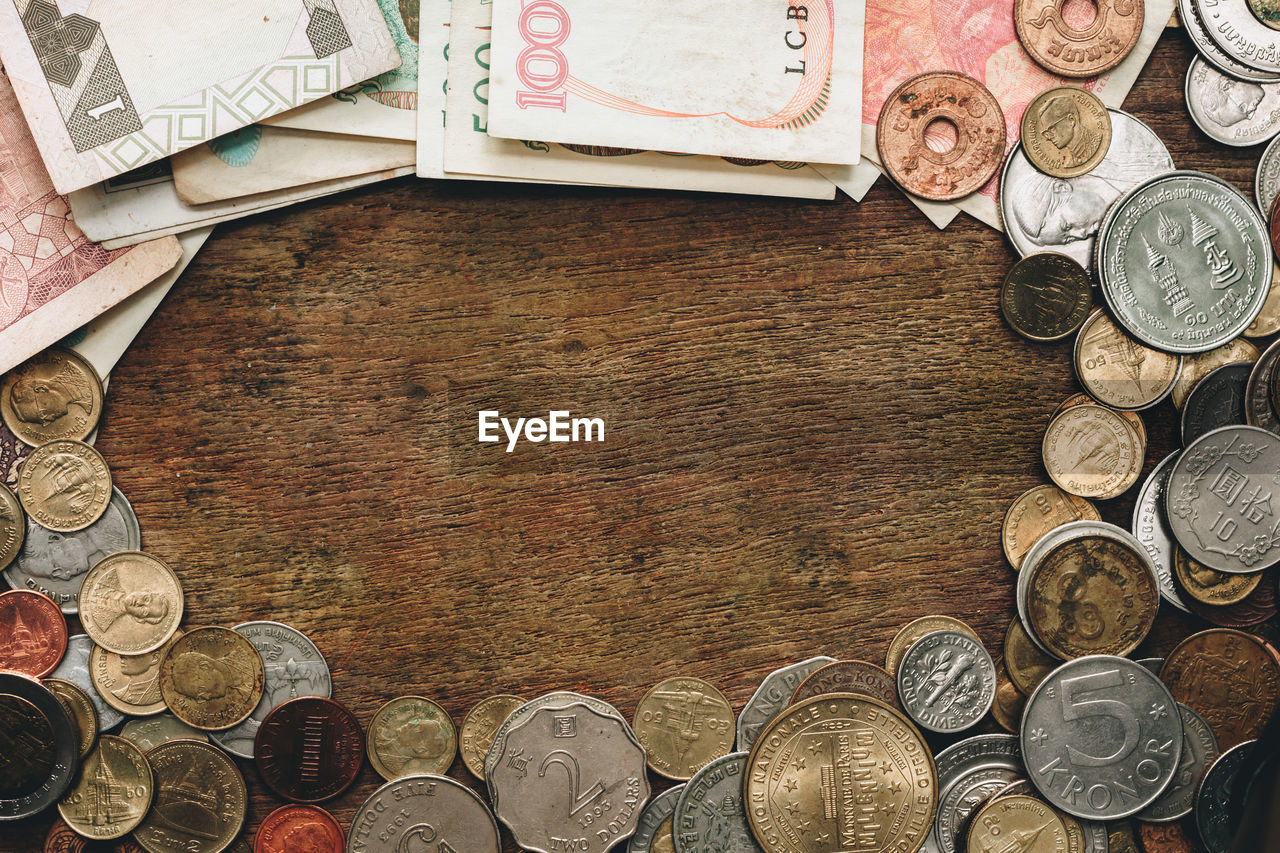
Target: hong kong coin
pixel 55 563
pixel 1094 770
pixel 710 813
pixel 1182 262
pixel 683 723
pixel 1026 664
pixel 914 630
pixel 1213 799
pixel 569 772
pixel 1240 34
pixel 292 828
pixel 1229 678
pixel 1259 410
pixel 947 682
pixel 410 736
pixel 773 694
pixel 1219 502
pixel 1066 131
pixel 79 708
pixel 130 683
pixel 1218 400
pixel 1008 705
pixel 75 668
pixel 1017 820
pixel 1151 529
pixel 655 830
pixel 849 676
pixel 64 486
pixel 423 813
pixel 1268 320
pixel 1034 513
pixel 13 528
pixel 479 727
pixel 1046 296
pixel 53 395
pixel 150 732
pixel 293 667
pixel 200 800
pixel 212 678
pixel 1234 112
pixel 38 747
pixel 1199 749
pixel 1206 47
pixel 131 603
pixel 555 698
pixel 951 98
pixel 1165 837
pixel 1210 586
pixel 1092 452
pixel 112 792
pixel 1197 367
pixel 1119 372
pixel 309 749
pixel 969 772
pixel 34 632
pixel 1061 49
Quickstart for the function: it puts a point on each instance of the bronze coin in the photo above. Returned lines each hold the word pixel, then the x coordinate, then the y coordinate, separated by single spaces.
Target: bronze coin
pixel 1165 838
pixel 915 630
pixel 63 839
pixel 130 683
pixel 1120 837
pixel 80 708
pixel 33 633
pixel 1273 225
pixel 1256 608
pixel 409 736
pixel 1210 586
pixel 295 829
pixel 1093 452
pixel 212 678
pixel 1229 678
pixel 54 394
pixel 1066 131
pixel 112 791
pixel 64 486
pixel 13 526
pixel 309 749
pixel 1119 372
pixel 1004 820
pixel 200 800
pixel 1034 513
pixel 953 98
pixel 479 727
pixel 683 723
pixel 1008 705
pixel 1061 49
pixel 1133 418
pixel 1026 665
pixel 849 676
pixel 1046 297
pixel 131 603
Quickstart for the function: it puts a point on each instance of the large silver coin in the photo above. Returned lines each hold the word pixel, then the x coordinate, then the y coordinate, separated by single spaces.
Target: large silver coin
pixel 423 813
pixel 1234 112
pixel 1044 214
pixel 569 778
pixel 1208 48
pixel 74 667
pixel 946 681
pixel 1216 401
pixel 56 563
pixel 294 667
pixel 1233 27
pixel 968 773
pixel 39 747
pixel 1101 737
pixel 654 833
pixel 1258 409
pixel 1266 181
pixel 1199 750
pixel 1213 800
pixel 710 814
pixel 1220 502
pixel 1184 261
pixel 1152 531
pixel 555 698
pixel 772 697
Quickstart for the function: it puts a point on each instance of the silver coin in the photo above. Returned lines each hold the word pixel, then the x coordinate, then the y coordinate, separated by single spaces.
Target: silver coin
pixel 710 814
pixel 772 696
pixel 25 789
pixel 1220 502
pixel 149 732
pixel 1152 531
pixel 294 667
pixel 556 698
pixel 659 810
pixel 1207 48
pixel 1258 409
pixel 1233 27
pixel 75 668
pixel 958 761
pixel 569 778
pixel 1266 182
pixel 1215 401
pixel 1184 262
pixel 1199 750
pixel 959 802
pixel 1213 799
pixel 1234 112
pixel 423 813
pixel 1152 665
pixel 1096 837
pixel 55 563
pixel 946 681
pixel 1042 214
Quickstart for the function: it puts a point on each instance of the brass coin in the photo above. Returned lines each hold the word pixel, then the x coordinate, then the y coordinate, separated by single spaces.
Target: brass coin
pixel 1046 296
pixel 200 800
pixel 1197 367
pixel 1066 131
pixel 1132 418
pixel 112 792
pixel 1120 838
pixel 53 395
pixel 84 716
pixel 1119 372
pixel 915 630
pixel 840 772
pixel 130 603
pixel 64 486
pixel 1026 665
pixel 212 678
pixel 479 727
pixel 1008 705
pixel 1059 48
pixel 664 840
pixel 130 683
pixel 409 736
pixel 13 526
pixel 1229 678
pixel 683 723
pixel 1211 586
pixel 1034 513
pixel 1092 452
pixel 1268 320
pixel 1017 822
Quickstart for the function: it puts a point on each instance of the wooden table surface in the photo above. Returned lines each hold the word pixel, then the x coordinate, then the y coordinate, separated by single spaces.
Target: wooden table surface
pixel 816 419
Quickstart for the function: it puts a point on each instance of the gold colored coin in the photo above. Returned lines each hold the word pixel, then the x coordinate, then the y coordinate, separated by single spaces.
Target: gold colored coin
pixel 13 526
pixel 64 486
pixel 1017 822
pixel 1268 319
pixel 1211 586
pixel 1197 367
pixel 212 678
pixel 112 791
pixel 130 603
pixel 1026 665
pixel 835 767
pixel 683 723
pixel 1092 452
pixel 130 683
pixel 1119 372
pixel 53 395
pixel 1008 705
pixel 1121 839
pixel 411 735
pixel 1132 418
pixel 479 727
pixel 200 800
pixel 84 716
pixel 664 840
pixel 915 630
pixel 1034 513
pixel 1066 131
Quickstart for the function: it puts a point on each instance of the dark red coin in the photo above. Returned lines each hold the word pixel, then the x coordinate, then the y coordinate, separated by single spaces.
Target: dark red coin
pixel 309 749
pixel 1256 608
pixel 33 633
pixel 293 828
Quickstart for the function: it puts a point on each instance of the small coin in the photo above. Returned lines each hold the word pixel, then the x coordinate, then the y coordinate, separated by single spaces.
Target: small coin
pixel 211 678
pixel 479 727
pixel 1268 320
pixel 53 395
pixel 710 809
pixel 309 749
pixel 1197 367
pixel 39 747
pixel 423 813
pixel 112 791
pixel 1008 705
pixel 683 723
pixel 410 736
pixel 1229 678
pixel 946 681
pixel 1034 513
pixel 75 668
pixel 130 683
pixel 13 526
pixel 1066 131
pixel 949 97
pixel 1119 372
pixel 1025 663
pixel 1046 296
pixel 1165 837
pixel 1258 607
pixel 64 486
pixel 1212 587
pixel 849 676
pixel 292 829
pixel 200 800
pixel 1017 820
pixel 1061 49
pixel 1090 451
pixel 1233 112
pixel 970 771
pixel 1121 839
pixel 1218 400
pixel 914 630
pixel 80 708
pixel 150 732
pixel 1151 529
pixel 1199 750
pixel 654 833
pixel 131 603
pixel 33 633
pixel 772 696
pixel 1215 796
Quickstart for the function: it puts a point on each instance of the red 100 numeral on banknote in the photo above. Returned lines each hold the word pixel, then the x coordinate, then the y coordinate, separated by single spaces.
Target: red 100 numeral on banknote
pixel 542 67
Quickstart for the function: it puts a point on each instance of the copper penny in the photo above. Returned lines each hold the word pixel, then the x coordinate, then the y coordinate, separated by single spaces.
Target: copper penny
pixel 1009 703
pixel 849 676
pixel 1165 838
pixel 55 394
pixel 953 98
pixel 1229 678
pixel 33 633
pixel 1210 586
pixel 64 486
pixel 212 678
pixel 915 630
pixel 13 526
pixel 1061 49
pixel 1066 131
pixel 1034 513
pixel 309 749
pixel 292 829
pixel 1025 664
pixel 1258 607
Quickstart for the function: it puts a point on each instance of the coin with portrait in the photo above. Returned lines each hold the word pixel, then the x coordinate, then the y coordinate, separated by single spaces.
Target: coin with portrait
pixel 55 394
pixel 411 735
pixel 212 678
pixel 131 603
pixel 1066 131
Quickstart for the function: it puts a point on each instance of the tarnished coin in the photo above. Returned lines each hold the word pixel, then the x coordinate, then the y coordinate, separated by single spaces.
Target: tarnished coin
pixel 1199 750
pixel 33 633
pixel 131 603
pixel 683 723
pixel 1034 513
pixel 710 813
pixel 1206 47
pixel 1061 49
pixel 1101 738
pixel 946 682
pixel 1198 366
pixel 130 683
pixel 64 486
pixel 915 630
pixel 309 749
pixel 75 668
pixel 1046 296
pixel 556 698
pixel 1008 705
pixel 1234 27
pixel 1268 320
pixel 112 792
pixel 773 694
pixel 1090 451
pixel 1218 400
pixel 969 772
pixel 1234 112
pixel 1258 408
pixel 1026 664
pixel 1229 678
pixel 849 676
pixel 13 527
pixel 200 800
pixel 1121 838
pixel 1213 799
pixel 1209 586
pixel 150 732
pixel 53 395
pixel 1256 608
pixel 1119 372
pixel 1019 820
pixel 1165 837
pixel 38 747
pixel 79 708
pixel 423 813
pixel 1066 131
pixel 479 727
pixel 411 736
pixel 294 828
pixel 951 98
pixel 820 768
pixel 1151 529
pixel 655 831
pixel 211 678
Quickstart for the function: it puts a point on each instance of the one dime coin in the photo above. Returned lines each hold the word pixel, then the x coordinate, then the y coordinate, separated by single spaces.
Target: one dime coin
pixel 917 629
pixel 64 486
pixel 200 800
pixel 131 603
pixel 1066 132
pixel 212 678
pixel 1034 513
pixel 53 395
pixel 292 829
pixel 409 736
pixel 849 676
pixel 79 707
pixel 309 749
pixel 683 723
pixel 33 633
pixel 479 727
pixel 1229 678
pixel 1046 296
pixel 1060 48
pixel 13 526
pixel 112 792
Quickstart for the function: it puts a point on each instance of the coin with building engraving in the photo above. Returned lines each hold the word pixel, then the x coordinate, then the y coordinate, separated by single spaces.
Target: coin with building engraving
pixel 212 678
pixel 1199 750
pixel 710 814
pixel 946 682
pixel 200 800
pixel 79 708
pixel 1046 296
pixel 54 394
pixel 410 736
pixel 309 749
pixel 849 676
pixel 39 747
pixel 480 725
pixel 131 603
pixel 299 829
pixel 112 791
pixel 774 694
pixel 683 723
pixel 1017 822
pixel 1060 47
pixel 33 633
pixel 1229 678
pixel 1034 513
pixel 1090 451
pixel 654 831
pixel 969 772
pixel 419 813
pixel 1066 131
pixel 1119 372
pixel 64 485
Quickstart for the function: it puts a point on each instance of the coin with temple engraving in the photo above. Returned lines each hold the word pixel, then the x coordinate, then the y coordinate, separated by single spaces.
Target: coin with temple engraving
pixel 946 681
pixel 1066 131
pixel 1119 372
pixel 683 723
pixel 1046 296
pixel 200 800
pixel 309 749
pixel 710 813
pixel 1092 452
pixel 1229 678
pixel 112 792
pixel 1017 822
pixel 1059 47
pixel 33 633
pixel 211 678
pixel 54 394
pixel 64 485
pixel 410 736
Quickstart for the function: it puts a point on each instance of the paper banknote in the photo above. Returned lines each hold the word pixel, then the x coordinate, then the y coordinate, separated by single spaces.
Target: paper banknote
pixel 746 78
pixel 111 85
pixel 433 59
